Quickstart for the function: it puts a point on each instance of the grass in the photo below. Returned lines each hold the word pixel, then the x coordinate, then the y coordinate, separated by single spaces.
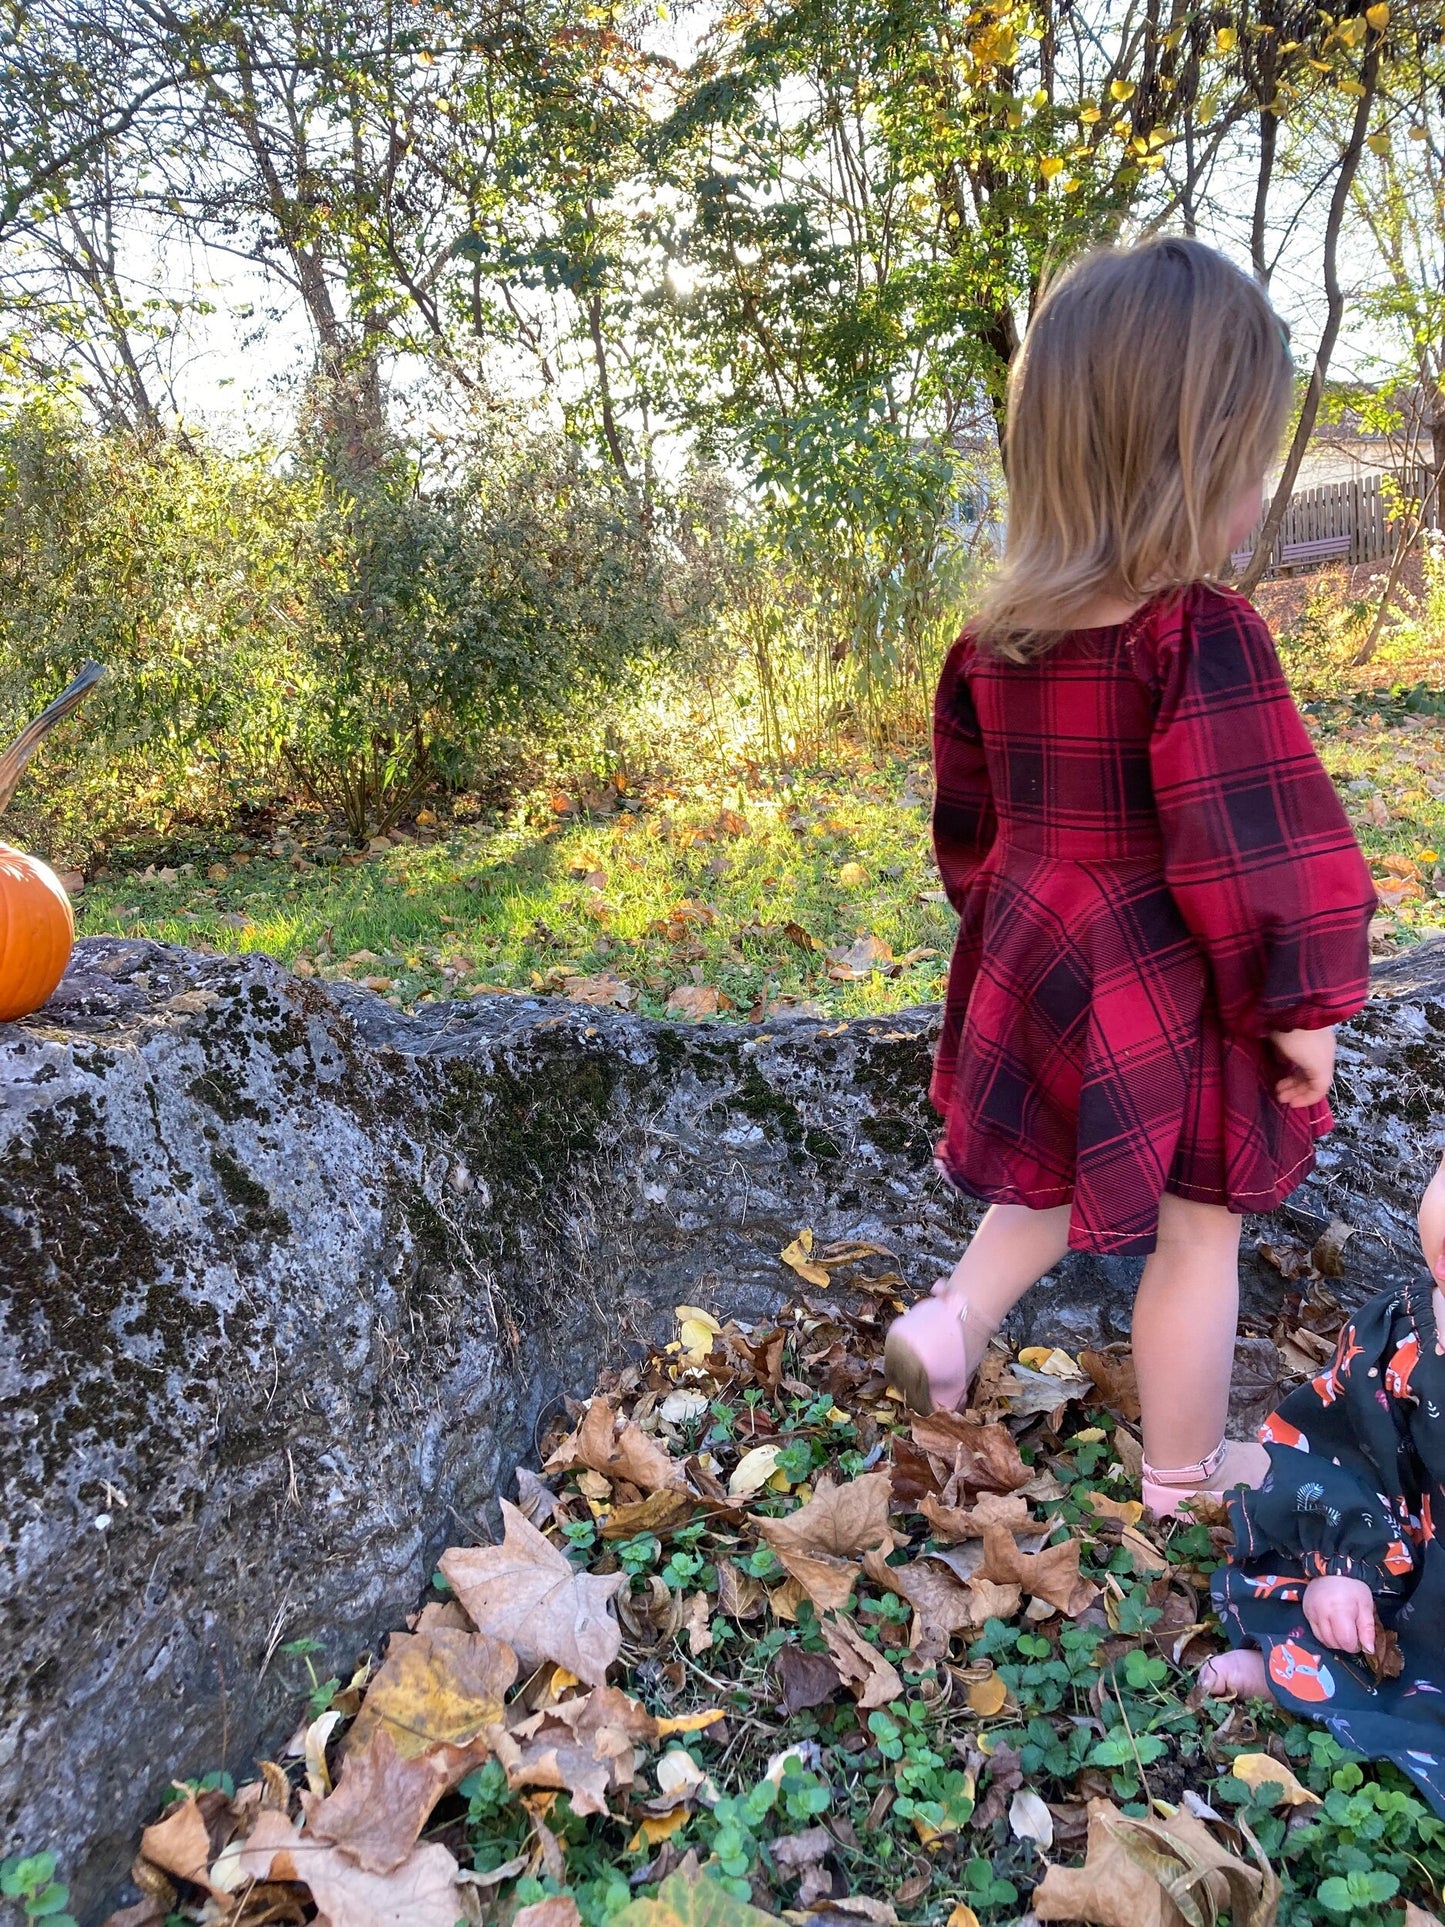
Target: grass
pixel 685 883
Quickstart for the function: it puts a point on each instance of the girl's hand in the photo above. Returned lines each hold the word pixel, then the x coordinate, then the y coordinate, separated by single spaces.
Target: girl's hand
pixel 1310 1055
pixel 1341 1612
pixel 1432 1225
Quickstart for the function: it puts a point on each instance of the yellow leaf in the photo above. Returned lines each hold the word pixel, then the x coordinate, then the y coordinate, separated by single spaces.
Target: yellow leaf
pixel 652 1831
pixel 1090 1435
pixel 1258 1770
pixel 1378 143
pixel 1419 133
pixel 1128 1511
pixel 987 1696
pixel 1226 39
pixel 1122 89
pixel 1050 165
pixel 690 1722
pixel 1429 856
pixel 799 1256
pixel 1378 15
pixel 1352 88
pixel 697 1338
pixel 852 876
pixel 753 1470
pixel 1047 1358
pixel 1088 115
pixel 962 1916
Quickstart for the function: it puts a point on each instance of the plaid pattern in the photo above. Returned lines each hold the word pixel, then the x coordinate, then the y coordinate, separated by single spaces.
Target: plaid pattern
pixel 1152 872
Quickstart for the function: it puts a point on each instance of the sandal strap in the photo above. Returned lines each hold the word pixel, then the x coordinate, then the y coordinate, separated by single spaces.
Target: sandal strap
pixel 1188 1474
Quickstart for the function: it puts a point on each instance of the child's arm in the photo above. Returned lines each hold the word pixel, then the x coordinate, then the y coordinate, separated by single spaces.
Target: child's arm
pixel 1259 854
pixel 964 819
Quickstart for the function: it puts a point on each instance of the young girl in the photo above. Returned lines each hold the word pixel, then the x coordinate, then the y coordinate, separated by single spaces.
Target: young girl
pixel 1163 911
pixel 1347 1515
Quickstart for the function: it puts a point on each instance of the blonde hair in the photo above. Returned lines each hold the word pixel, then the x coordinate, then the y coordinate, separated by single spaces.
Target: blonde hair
pixel 1151 388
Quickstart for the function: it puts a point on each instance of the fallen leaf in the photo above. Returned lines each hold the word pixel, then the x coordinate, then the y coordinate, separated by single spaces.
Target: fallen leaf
pixel 697 1624
pixel 1023 1392
pixel 557 1910
pixel 691 1722
pixel 1115 1379
pixel 852 876
pixel 828 1582
pixel 1386 1661
pixel 856 962
pixel 535 1500
pixel 605 990
pixel 954 1524
pixel 739 1595
pixel 841 1520
pixel 682 1408
pixel 987 1696
pixel 864 1671
pixel 1259 1770
pixel 525 1592
pixel 992 1601
pixel 1052 1574
pixel 1133 1867
pixel 656 1828
pixel 696 1329
pixel 753 1470
pixel 1030 1819
pixel 981 1457
pixel 693 1000
pixel 616 1451
pixel 806 1679
pixel 583 1747
pixel 181 1842
pixel 1328 1252
pixel 962 1916
pixel 1414 1917
pixel 659 1513
pixel 422 1892
pixel 795 1851
pixel 688 1898
pixel 858 1907
pixel 438 1688
pixel 799 1257
pixel 1127 1511
pixel 942 1607
pixel 383 1800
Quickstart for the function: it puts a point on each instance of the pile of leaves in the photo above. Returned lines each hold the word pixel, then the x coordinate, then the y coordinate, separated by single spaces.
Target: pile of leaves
pixel 758 1643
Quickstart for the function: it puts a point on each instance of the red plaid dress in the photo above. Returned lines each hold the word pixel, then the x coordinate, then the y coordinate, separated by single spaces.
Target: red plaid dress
pixel 1152 872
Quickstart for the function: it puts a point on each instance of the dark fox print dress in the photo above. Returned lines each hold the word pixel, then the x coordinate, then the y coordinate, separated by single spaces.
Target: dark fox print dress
pixel 1357 1461
pixel 1152 873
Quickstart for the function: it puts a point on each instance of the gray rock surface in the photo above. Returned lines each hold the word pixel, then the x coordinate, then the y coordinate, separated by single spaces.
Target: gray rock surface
pixel 288 1282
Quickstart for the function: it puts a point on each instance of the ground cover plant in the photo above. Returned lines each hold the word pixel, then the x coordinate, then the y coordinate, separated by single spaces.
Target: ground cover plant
pixel 755 1642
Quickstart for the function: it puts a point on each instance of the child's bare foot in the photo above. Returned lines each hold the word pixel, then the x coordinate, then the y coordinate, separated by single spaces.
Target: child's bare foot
pixel 1236 1675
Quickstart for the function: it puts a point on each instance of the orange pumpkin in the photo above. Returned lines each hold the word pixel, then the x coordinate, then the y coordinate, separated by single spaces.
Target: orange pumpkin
pixel 36 932
pixel 37 929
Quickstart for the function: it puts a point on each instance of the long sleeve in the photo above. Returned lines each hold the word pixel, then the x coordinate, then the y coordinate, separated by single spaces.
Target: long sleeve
pixel 1259 854
pixel 1339 1493
pixel 964 819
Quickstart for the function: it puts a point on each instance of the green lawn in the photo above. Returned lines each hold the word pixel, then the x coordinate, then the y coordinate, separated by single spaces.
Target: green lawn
pixel 817 890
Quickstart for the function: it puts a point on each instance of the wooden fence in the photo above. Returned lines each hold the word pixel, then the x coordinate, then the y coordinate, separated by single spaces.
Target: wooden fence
pixel 1356 521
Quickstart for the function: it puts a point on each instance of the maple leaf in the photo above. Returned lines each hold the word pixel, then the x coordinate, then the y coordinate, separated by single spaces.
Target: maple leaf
pixel 583 1747
pixel 617 1453
pixel 982 1457
pixel 421 1892
pixel 864 1671
pixel 955 1524
pixel 688 1898
pixel 437 1687
pixel 828 1582
pixel 941 1606
pixel 838 1521
pixel 993 1601
pixel 384 1799
pixel 525 1592
pixel 1052 1574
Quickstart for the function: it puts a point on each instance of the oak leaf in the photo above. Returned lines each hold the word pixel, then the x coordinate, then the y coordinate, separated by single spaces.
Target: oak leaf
pixel 525 1592
pixel 617 1453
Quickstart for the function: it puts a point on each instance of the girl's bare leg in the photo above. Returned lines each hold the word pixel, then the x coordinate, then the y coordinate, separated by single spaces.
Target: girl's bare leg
pixel 1185 1317
pixel 934 1349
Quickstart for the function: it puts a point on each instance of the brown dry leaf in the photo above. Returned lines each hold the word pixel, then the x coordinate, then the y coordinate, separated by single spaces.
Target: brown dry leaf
pixel 437 1688
pixel 181 1842
pixel 784 1600
pixel 526 1593
pixel 422 1892
pixel 827 1582
pixel 617 1453
pixel 941 1606
pixel 954 1524
pixel 738 1594
pixel 1132 1864
pixel 605 990
pixel 992 1601
pixel 862 1668
pixel 584 1747
pixel 693 1000
pixel 806 1679
pixel 856 962
pixel 1417 1916
pixel 1386 1661
pixel 839 1520
pixel 1024 1392
pixel 1144 1555
pixel 659 1512
pixel 1329 1247
pixel 982 1457
pixel 1116 1380
pixel 557 1910
pixel 697 1624
pixel 1052 1574
pixel 382 1800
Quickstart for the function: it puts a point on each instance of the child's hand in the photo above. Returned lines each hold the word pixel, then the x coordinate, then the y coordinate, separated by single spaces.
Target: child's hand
pixel 1310 1055
pixel 1341 1612
pixel 1432 1225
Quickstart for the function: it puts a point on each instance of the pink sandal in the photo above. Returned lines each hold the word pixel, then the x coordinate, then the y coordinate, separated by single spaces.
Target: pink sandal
pixel 925 1357
pixel 1166 1492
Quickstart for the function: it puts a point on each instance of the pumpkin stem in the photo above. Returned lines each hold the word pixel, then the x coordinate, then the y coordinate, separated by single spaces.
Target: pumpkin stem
pixel 33 734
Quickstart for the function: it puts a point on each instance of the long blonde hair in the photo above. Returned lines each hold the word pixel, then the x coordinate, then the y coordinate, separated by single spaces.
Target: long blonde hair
pixel 1151 388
